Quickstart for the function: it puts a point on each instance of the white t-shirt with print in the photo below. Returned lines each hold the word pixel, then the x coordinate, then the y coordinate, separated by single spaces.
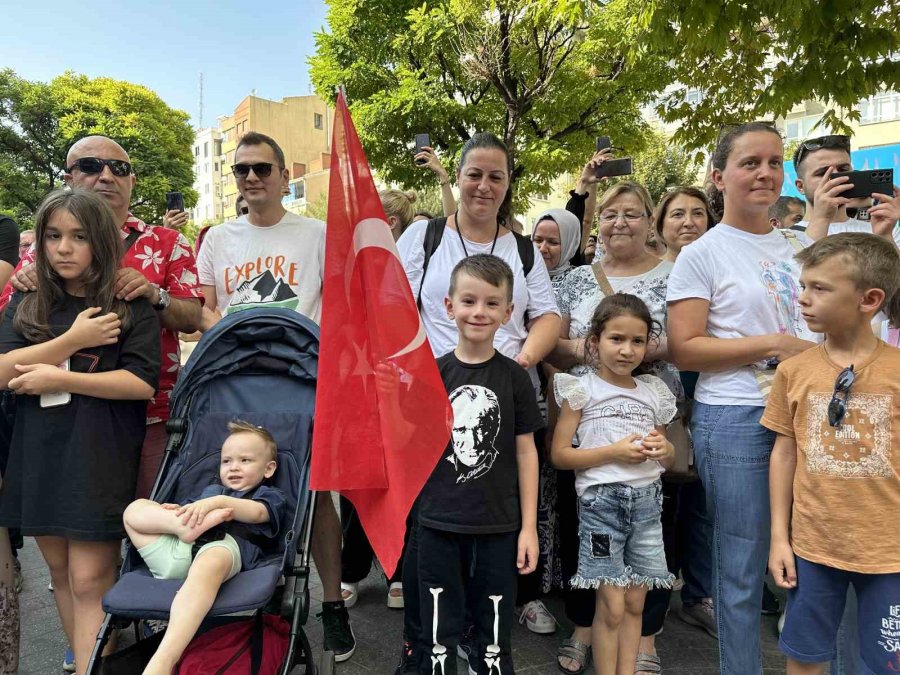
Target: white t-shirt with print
pixel 534 294
pixel 609 414
pixel 277 266
pixel 752 284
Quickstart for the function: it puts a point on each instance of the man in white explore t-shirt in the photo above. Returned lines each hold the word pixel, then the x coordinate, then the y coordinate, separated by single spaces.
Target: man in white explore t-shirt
pixel 815 160
pixel 274 258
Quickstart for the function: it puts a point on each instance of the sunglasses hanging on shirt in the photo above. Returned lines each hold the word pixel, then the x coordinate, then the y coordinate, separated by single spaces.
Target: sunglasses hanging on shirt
pixel 837 408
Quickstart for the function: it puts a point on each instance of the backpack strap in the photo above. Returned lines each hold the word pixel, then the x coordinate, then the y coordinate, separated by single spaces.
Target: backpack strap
pixel 792 240
pixel 130 239
pixel 434 232
pixel 526 252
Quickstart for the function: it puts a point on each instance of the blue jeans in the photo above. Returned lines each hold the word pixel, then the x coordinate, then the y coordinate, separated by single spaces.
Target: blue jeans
pixel 732 453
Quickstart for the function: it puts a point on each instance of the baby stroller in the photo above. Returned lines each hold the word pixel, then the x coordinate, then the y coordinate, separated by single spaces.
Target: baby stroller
pixel 259 365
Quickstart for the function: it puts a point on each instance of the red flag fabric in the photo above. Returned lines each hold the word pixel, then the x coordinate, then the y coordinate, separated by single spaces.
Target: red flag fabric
pixel 382 414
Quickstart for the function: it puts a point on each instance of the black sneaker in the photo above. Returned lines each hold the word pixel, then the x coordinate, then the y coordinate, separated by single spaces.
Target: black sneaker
pixel 339 636
pixel 769 601
pixel 409 663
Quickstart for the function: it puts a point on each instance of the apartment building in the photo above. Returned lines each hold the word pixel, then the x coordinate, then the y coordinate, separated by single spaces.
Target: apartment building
pixel 208 176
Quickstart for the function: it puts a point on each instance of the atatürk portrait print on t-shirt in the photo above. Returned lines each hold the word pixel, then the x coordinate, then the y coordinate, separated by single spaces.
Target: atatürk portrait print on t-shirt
pixel 476 425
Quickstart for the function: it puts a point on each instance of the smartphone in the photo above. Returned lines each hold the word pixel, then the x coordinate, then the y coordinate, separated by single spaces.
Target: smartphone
pixel 866 183
pixel 174 201
pixel 58 398
pixel 615 167
pixel 602 143
pixel 422 141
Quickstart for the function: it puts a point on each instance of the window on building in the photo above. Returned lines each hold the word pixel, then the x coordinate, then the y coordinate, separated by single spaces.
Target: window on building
pixel 694 96
pixel 196 151
pixel 206 149
pixel 216 167
pixel 881 108
pixel 218 148
pixel 206 188
pixel 800 128
pixel 317 120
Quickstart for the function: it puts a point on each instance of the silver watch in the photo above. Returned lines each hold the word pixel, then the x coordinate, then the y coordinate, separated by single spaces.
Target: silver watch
pixel 164 300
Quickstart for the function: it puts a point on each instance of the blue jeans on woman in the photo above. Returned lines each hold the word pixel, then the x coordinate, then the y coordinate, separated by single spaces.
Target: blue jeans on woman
pixel 732 453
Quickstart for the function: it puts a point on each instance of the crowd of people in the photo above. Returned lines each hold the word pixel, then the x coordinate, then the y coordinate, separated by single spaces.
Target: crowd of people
pixel 575 361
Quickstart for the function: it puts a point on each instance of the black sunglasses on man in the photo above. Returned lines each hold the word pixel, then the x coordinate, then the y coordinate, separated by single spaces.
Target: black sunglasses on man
pixel 93 165
pixel 261 169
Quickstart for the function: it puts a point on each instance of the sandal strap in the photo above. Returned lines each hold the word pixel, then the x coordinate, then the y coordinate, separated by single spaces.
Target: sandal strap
pixel 576 650
pixel 647 663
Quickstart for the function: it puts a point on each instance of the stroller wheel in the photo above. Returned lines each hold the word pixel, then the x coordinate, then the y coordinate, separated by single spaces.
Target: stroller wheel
pixel 326 663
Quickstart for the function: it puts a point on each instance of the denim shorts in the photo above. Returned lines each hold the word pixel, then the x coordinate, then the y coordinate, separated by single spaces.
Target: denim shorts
pixel 814 610
pixel 620 538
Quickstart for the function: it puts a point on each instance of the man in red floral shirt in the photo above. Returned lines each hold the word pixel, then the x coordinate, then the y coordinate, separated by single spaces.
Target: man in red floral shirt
pixel 159 265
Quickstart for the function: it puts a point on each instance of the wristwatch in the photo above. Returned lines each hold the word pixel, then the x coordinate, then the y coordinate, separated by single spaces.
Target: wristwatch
pixel 164 299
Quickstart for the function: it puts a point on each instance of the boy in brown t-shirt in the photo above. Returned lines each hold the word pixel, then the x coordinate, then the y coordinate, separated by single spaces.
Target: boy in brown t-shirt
pixel 835 469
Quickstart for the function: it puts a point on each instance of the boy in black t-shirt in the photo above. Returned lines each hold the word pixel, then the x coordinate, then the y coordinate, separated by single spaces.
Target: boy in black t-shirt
pixel 477 518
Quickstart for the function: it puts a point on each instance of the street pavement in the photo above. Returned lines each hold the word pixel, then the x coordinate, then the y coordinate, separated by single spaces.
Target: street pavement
pixel 683 649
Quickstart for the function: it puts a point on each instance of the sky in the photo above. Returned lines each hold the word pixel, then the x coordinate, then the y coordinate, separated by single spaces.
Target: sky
pixel 164 45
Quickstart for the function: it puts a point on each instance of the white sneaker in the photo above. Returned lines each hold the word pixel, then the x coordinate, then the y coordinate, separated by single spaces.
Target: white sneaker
pixel 395 601
pixel 537 618
pixel 350 594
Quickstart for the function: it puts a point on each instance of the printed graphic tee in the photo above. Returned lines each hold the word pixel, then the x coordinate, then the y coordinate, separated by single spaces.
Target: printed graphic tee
pixel 277 266
pixel 610 413
pixel 846 484
pixel 474 489
pixel 752 283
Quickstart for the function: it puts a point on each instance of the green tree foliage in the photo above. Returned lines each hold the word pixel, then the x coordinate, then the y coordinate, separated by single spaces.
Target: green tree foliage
pixel 39 121
pixel 662 165
pixel 756 60
pixel 547 76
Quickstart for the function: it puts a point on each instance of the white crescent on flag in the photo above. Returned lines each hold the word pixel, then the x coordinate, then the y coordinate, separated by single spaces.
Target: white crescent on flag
pixel 375 233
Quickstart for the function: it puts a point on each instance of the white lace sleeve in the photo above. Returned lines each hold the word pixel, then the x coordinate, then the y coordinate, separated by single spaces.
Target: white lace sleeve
pixel 666 405
pixel 569 388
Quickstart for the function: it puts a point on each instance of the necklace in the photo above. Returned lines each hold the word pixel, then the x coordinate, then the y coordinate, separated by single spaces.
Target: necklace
pixel 461 241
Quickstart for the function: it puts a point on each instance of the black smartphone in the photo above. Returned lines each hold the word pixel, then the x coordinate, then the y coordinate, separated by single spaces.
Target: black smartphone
pixel 866 183
pixel 615 167
pixel 602 143
pixel 174 201
pixel 422 141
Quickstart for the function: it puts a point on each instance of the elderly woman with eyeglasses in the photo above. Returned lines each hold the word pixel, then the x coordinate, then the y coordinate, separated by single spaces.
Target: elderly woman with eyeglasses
pixel 625 212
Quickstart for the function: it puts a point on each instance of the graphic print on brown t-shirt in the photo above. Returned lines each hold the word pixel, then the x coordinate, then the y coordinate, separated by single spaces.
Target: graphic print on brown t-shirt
pixel 858 448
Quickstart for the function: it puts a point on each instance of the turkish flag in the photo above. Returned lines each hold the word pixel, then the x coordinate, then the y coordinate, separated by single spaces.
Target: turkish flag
pixel 382 414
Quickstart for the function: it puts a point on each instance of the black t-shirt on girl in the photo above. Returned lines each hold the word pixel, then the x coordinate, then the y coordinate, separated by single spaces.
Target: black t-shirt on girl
pixel 474 489
pixel 73 468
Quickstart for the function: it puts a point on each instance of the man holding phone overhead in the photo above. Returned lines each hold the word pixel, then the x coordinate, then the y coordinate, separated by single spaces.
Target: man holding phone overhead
pixel 828 209
pixel 158 265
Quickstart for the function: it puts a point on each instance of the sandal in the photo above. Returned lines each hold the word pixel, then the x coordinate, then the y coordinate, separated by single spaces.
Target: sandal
pixel 575 650
pixel 647 664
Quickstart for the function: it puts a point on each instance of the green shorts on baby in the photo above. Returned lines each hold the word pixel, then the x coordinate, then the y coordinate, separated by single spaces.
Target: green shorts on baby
pixel 170 558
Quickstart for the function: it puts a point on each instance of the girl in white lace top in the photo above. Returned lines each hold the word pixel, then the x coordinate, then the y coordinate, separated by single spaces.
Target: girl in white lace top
pixel 619 421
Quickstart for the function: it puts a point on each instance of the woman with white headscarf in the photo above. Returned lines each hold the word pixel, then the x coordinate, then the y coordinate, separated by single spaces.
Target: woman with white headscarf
pixel 557 235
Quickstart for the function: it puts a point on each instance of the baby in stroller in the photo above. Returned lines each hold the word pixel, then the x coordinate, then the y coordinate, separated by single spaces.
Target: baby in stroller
pixel 232 525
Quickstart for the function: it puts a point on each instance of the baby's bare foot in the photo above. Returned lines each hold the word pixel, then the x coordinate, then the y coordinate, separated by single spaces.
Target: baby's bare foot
pixel 215 517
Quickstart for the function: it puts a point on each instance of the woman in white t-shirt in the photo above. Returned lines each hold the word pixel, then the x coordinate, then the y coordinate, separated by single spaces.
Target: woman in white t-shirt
pixel 478 226
pixel 733 313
